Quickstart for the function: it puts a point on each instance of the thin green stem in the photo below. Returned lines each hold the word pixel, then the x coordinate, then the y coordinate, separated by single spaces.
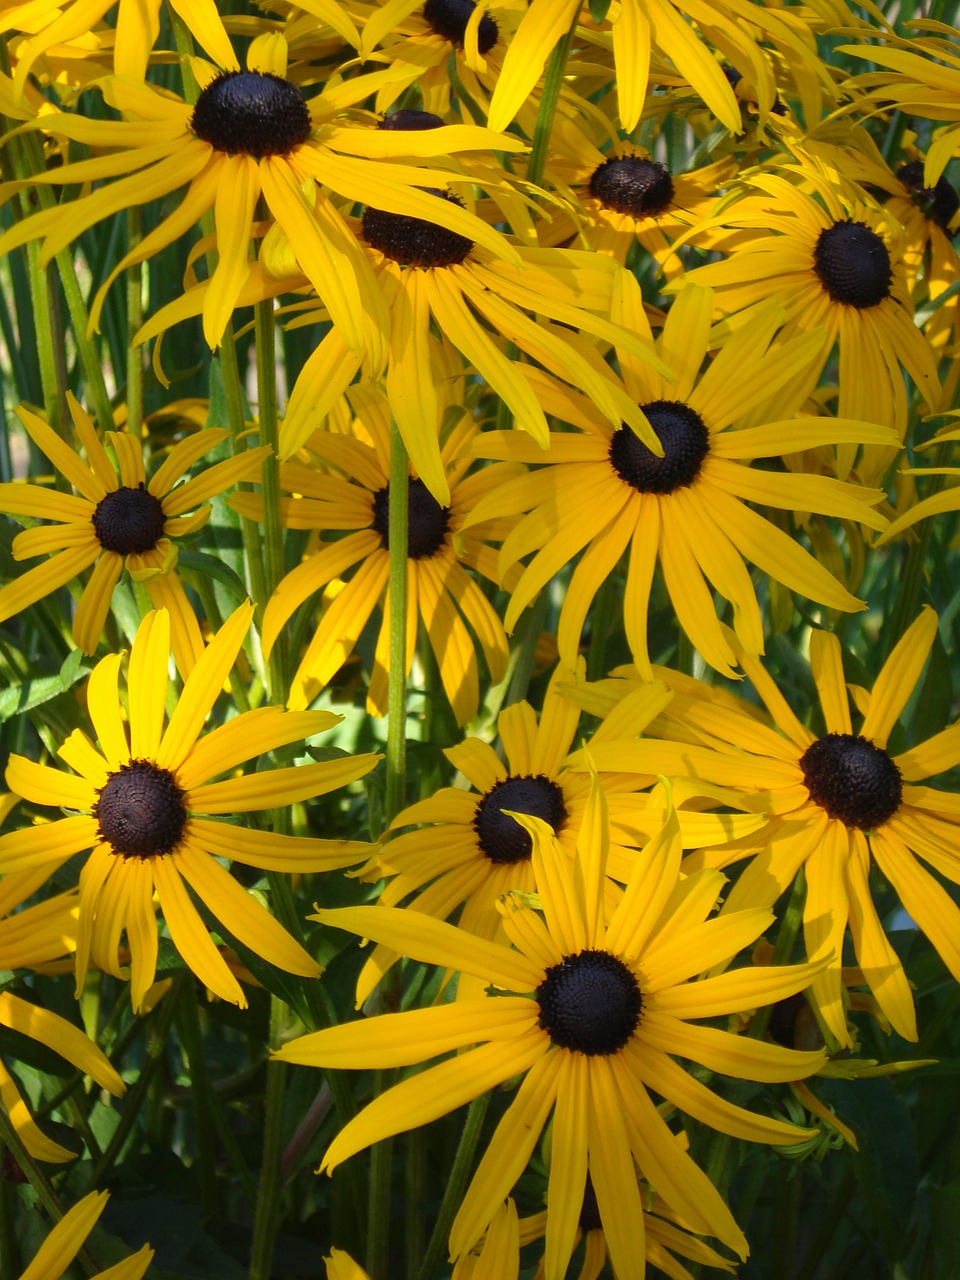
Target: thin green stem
pixel 158 1028
pixel 397 598
pixel 204 1101
pixel 272 544
pixel 134 321
pixel 783 947
pixel 530 627
pixel 416 1181
pixel 267 1216
pixel 456 1185
pixel 543 125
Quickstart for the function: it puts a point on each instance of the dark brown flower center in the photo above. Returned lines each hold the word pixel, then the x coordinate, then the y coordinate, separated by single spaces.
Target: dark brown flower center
pixel 408 119
pixel 632 185
pixel 128 521
pixel 449 19
pixel 415 242
pixel 590 1002
pixel 251 113
pixel 501 838
pixel 938 203
pixel 427 521
pixel 685 441
pixel 140 810
pixel 853 264
pixel 852 779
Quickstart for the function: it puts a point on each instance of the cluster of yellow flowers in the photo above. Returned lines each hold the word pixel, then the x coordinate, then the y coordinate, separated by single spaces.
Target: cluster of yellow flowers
pixel 632 318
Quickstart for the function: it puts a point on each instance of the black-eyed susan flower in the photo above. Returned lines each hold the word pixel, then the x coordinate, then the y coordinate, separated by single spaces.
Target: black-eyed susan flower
pixel 922 78
pixel 590 1010
pixel 605 493
pixel 833 262
pixel 116 519
pixel 469 851
pixel 841 800
pixel 552 304
pixel 347 489
pixel 252 135
pixel 63 1243
pixel 638 29
pixel 145 805
pixel 137 28
pixel 627 197
pixel 665 1239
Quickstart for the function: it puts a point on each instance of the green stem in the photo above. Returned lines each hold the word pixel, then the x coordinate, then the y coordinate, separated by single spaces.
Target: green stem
pixel 910 582
pixel 272 545
pixel 204 1102
pixel 266 1218
pixel 134 321
pixel 526 651
pixel 397 596
pixel 158 1027
pixel 456 1185
pixel 416 1179
pixel 783 948
pixel 543 125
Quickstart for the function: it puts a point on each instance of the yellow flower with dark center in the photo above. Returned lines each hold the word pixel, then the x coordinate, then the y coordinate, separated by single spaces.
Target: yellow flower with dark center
pixel 922 78
pixel 664 1237
pixel 604 492
pixel 628 197
pixel 473 852
pixel 116 519
pixel 590 1010
pixel 146 808
pixel 840 800
pixel 350 491
pixel 252 135
pixel 833 262
pixel 64 1242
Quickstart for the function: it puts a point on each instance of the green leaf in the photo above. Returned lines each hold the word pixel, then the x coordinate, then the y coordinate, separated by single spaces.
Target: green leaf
pixel 598 10
pixel 33 693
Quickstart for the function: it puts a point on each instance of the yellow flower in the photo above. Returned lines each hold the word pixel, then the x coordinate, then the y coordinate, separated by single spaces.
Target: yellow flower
pixel 351 493
pixel 590 1009
pixel 604 492
pixel 116 519
pixel 252 135
pixel 834 262
pixel 472 852
pixel 840 800
pixel 139 802
pixel 64 1242
pixel 137 28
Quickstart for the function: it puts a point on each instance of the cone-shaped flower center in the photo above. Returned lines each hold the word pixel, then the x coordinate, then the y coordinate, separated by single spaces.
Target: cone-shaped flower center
pixel 408 119
pixel 414 242
pixel 590 1002
pixel 128 521
pixel 449 19
pixel 853 264
pixel 140 810
pixel 501 837
pixel 251 113
pixel 852 779
pixel 632 185
pixel 427 521
pixel 938 203
pixel 685 441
